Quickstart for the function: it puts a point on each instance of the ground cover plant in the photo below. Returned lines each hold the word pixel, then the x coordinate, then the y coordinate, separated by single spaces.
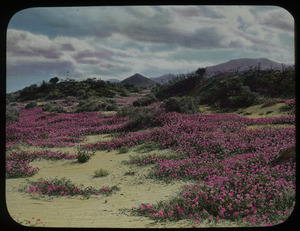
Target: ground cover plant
pixel 100 172
pixel 83 155
pixel 47 129
pixel 65 187
pixel 17 163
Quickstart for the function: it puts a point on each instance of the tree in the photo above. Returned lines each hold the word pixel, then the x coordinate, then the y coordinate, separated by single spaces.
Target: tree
pixel 54 80
pixel 200 72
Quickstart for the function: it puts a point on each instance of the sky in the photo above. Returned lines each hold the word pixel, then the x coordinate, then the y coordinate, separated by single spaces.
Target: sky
pixel 115 42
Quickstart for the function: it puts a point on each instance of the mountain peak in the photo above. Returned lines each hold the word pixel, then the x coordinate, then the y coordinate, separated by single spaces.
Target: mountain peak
pixel 138 80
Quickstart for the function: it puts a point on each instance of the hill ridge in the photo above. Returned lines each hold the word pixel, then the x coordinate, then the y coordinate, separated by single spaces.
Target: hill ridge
pixel 242 64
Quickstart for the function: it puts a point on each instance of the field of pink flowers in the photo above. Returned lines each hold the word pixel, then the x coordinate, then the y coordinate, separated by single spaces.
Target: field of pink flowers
pixel 47 129
pixel 230 164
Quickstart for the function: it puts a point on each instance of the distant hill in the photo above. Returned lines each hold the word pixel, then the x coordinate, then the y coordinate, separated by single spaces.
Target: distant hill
pixel 138 80
pixel 164 78
pixel 242 65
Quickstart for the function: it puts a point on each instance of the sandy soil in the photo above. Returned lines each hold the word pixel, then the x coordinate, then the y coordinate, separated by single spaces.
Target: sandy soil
pixel 97 211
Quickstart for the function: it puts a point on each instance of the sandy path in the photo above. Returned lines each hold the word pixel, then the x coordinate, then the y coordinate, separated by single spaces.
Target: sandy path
pixel 98 211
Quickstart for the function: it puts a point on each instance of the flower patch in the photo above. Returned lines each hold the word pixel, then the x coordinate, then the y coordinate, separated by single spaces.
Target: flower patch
pixel 64 187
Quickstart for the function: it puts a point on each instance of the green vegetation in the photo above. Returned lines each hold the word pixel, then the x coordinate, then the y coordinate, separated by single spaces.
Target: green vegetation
pixel 50 107
pixel 57 89
pixel 223 91
pixel 185 104
pixel 145 101
pixel 140 117
pixel 227 91
pixel 12 115
pixel 100 172
pixel 181 85
pixel 32 104
pixel 64 187
pixel 84 155
pixel 95 103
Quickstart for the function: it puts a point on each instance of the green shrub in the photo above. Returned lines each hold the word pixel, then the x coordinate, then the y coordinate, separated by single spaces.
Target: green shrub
pixel 54 94
pixel 145 101
pixel 180 85
pixel 123 91
pixel 83 155
pixel 123 149
pixel 94 103
pixel 243 97
pixel 185 104
pixel 31 105
pixel 50 107
pixel 100 173
pixel 226 93
pixel 12 115
pixel 140 117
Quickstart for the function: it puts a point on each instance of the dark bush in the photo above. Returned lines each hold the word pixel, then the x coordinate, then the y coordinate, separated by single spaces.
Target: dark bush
pixel 185 104
pixel 54 94
pixel 83 155
pixel 243 97
pixel 140 117
pixel 271 82
pixel 226 93
pixel 50 107
pixel 182 85
pixel 31 105
pixel 54 80
pixel 145 101
pixel 96 104
pixel 123 91
pixel 12 115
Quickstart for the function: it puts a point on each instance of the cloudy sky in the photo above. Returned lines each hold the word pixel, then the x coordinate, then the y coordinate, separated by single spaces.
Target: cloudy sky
pixel 117 42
